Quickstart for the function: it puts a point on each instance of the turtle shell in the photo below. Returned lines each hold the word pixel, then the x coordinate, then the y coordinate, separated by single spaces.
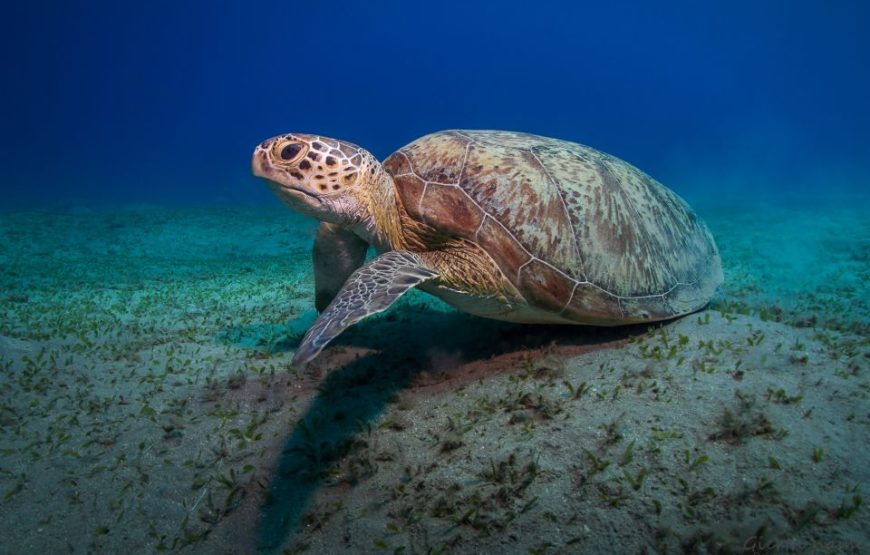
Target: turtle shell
pixel 580 233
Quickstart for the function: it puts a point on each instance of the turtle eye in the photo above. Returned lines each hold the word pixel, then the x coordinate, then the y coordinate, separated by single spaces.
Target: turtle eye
pixel 290 151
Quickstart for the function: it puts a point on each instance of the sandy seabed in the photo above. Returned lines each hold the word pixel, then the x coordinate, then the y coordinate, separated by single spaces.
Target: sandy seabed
pixel 148 403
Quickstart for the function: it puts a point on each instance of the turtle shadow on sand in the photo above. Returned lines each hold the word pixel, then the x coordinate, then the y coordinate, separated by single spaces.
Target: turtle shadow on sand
pixel 439 350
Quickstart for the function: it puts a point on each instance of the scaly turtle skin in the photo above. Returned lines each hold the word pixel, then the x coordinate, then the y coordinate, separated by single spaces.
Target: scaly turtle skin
pixel 504 225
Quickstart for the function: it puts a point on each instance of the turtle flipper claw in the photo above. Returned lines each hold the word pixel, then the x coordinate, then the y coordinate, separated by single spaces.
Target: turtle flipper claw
pixel 369 290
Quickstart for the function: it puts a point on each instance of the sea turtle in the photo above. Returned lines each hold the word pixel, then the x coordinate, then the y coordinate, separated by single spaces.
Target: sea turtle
pixel 499 224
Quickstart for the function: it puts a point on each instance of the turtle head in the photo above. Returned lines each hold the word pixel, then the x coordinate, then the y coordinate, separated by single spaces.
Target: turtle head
pixel 323 178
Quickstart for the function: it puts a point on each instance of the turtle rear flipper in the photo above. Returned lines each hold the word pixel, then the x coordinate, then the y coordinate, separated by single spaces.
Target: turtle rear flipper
pixel 369 290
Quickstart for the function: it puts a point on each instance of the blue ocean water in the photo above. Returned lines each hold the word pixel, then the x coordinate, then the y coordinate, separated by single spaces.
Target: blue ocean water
pixel 153 292
pixel 163 102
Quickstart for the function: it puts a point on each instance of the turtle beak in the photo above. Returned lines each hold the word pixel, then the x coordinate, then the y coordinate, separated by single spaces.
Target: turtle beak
pixel 294 195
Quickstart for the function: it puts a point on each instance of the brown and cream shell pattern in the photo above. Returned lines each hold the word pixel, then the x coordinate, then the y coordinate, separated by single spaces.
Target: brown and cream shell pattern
pixel 580 233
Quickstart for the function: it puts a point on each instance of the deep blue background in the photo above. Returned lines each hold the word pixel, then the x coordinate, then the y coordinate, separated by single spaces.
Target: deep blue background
pixel 163 101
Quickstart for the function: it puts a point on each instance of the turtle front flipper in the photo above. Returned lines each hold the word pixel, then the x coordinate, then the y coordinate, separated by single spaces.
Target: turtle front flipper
pixel 337 253
pixel 369 290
